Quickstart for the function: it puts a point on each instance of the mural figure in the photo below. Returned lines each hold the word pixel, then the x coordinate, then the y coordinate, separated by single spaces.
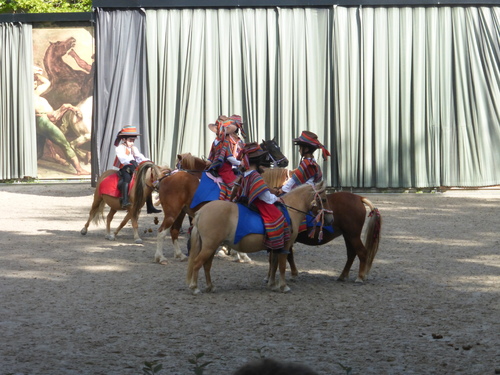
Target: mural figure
pixel 46 119
pixel 64 101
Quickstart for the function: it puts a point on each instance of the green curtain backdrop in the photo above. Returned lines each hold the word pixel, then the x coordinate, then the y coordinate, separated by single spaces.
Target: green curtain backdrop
pixel 120 96
pixel 17 111
pixel 402 97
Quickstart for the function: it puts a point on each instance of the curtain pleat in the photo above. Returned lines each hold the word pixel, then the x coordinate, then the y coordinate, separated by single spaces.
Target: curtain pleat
pixel 401 96
pixel 121 94
pixel 18 156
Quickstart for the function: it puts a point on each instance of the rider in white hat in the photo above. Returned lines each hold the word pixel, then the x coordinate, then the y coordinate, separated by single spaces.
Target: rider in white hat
pixel 128 157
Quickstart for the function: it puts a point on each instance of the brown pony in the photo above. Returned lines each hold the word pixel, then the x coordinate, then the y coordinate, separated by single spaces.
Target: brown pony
pixel 145 174
pixel 349 214
pixel 216 222
pixel 176 191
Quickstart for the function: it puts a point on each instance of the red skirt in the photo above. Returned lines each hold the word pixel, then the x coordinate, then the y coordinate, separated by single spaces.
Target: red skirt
pixel 277 232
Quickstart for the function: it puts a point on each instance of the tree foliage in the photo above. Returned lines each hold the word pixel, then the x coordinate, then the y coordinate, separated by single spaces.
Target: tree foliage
pixel 45 6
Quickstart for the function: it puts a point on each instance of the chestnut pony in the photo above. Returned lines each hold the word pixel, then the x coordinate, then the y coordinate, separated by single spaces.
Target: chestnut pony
pixel 177 189
pixel 349 215
pixel 216 222
pixel 146 173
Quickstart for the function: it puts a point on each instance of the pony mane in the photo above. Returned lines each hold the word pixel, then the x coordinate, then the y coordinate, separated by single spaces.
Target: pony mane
pixel 275 177
pixel 191 162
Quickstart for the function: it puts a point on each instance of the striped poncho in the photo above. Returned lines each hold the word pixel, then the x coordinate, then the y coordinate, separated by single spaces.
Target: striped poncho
pixel 308 168
pixel 277 232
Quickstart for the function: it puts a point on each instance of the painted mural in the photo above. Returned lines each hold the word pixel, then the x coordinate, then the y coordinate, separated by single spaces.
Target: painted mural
pixel 63 69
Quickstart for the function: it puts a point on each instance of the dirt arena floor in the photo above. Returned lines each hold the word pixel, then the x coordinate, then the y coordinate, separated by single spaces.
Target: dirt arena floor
pixel 73 304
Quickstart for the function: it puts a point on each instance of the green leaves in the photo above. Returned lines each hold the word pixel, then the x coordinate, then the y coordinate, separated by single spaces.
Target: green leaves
pixel 45 6
pixel 151 368
pixel 198 368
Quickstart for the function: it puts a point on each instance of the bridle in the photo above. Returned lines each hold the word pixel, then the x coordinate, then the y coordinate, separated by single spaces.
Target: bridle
pixel 320 216
pixel 179 167
pixel 276 163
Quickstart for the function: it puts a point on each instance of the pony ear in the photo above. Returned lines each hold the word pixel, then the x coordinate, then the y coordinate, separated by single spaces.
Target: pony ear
pixel 179 157
pixel 320 187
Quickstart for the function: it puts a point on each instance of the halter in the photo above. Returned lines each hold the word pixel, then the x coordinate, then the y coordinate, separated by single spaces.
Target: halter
pixel 156 183
pixel 319 218
pixel 276 163
pixel 179 167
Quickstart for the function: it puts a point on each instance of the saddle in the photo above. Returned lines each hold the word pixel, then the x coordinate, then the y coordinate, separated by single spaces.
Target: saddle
pixel 109 186
pixel 250 221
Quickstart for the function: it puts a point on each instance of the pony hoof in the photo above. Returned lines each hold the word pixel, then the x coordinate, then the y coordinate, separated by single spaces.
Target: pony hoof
pixel 196 292
pixel 359 280
pixel 83 232
pixel 110 237
pixel 181 257
pixel 286 289
pixel 161 260
pixel 139 241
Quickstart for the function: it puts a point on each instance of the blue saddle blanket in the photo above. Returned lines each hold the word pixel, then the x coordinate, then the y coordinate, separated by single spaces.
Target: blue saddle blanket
pixel 207 191
pixel 309 222
pixel 250 221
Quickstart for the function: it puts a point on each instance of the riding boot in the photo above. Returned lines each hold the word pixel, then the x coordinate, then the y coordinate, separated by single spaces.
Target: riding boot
pixel 150 207
pixel 124 190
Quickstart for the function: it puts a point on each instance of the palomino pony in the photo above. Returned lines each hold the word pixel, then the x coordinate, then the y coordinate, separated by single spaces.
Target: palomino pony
pixel 349 214
pixel 216 223
pixel 146 173
pixel 176 191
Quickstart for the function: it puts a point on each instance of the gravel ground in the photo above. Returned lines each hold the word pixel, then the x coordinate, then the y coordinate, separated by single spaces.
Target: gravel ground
pixel 73 304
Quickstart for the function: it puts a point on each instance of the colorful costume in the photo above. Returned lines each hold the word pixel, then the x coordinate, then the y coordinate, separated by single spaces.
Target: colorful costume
pixel 308 170
pixel 255 192
pixel 127 160
pixel 225 153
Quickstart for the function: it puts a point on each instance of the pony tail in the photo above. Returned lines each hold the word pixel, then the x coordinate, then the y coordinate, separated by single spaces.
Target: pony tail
pixel 194 249
pixel 372 237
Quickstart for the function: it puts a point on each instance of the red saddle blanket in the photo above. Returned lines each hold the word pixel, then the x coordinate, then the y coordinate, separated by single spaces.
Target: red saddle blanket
pixel 109 186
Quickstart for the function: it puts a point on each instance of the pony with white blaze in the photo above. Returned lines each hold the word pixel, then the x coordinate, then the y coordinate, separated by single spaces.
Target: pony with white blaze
pixel 216 223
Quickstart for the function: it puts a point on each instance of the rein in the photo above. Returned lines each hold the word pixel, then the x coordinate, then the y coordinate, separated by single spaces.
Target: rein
pixel 179 167
pixel 319 218
pixel 276 163
pixel 156 183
